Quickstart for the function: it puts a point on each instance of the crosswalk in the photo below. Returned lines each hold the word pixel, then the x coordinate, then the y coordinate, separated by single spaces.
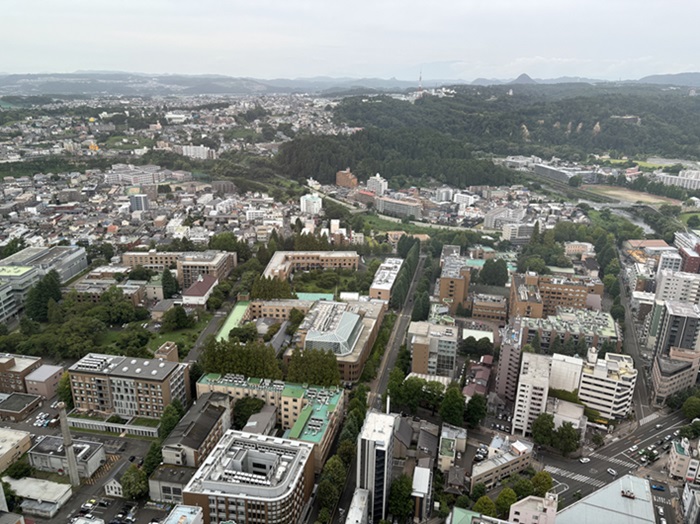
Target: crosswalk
pixel 649 418
pixel 574 476
pixel 620 462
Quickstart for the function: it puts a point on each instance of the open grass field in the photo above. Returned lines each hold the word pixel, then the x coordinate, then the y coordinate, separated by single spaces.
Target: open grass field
pixel 685 216
pixel 629 195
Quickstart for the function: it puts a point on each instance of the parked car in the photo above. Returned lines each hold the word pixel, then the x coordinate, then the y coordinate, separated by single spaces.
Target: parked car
pixel 634 448
pixel 658 487
pixel 661 511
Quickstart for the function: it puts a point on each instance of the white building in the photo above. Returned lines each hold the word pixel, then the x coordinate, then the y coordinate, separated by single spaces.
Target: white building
pixel 358 513
pixel 607 385
pixel 375 447
pixel 686 179
pixel 535 510
pixel 565 372
pixel 311 204
pixel 377 185
pixel 533 388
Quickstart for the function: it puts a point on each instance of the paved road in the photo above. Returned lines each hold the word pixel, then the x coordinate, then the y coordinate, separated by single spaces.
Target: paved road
pixel 212 328
pixel 572 476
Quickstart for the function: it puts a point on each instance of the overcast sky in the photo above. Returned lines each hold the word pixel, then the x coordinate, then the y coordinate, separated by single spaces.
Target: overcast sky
pixel 448 39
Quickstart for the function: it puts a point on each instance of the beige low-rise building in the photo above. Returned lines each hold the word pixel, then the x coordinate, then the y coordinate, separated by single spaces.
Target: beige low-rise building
pixel 284 263
pixel 535 510
pixel 13 444
pixel 43 381
pixel 505 458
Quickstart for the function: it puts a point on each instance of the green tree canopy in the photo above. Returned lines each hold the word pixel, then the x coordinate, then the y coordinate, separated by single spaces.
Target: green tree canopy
pixel 400 498
pixel 566 439
pixel 171 416
pixel 65 394
pixel 134 483
pixel 169 282
pixel 541 483
pixel 176 318
pixel 691 408
pixel 476 410
pixel 153 458
pixel 543 429
pixel 505 499
pixel 244 408
pixel 485 506
pixel 452 407
pixel 314 366
pixel 37 302
pixel 494 273
pixel 252 359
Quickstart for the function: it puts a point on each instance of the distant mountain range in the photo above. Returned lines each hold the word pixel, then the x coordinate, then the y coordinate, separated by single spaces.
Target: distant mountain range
pixel 134 84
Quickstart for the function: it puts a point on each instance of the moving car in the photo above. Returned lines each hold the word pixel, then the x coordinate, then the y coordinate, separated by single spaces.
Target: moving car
pixel 612 472
pixel 584 460
pixel 658 487
pixel 634 448
pixel 659 426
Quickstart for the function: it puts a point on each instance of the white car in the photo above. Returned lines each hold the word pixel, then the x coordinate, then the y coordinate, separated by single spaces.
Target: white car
pixel 612 472
pixel 584 460
pixel 634 448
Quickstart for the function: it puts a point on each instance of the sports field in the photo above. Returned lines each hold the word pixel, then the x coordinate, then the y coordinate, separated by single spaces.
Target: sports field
pixel 629 195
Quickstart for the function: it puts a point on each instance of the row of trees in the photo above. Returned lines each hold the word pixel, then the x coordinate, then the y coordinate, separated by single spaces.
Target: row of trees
pixel 402 285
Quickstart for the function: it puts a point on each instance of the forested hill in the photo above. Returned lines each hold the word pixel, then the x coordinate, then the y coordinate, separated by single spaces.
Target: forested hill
pixel 563 120
pixel 403 156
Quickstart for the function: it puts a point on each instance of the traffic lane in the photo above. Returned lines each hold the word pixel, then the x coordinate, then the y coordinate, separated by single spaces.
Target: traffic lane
pixel 646 435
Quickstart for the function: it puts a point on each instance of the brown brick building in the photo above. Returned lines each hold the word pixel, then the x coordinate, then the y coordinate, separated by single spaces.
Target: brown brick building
pixel 346 179
pixel 13 371
pixel 536 296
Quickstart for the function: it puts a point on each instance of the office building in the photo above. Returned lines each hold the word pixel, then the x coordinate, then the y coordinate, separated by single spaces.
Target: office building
pixel 495 218
pixel 67 261
pixel 535 510
pixel 278 309
pixel 308 413
pixel 190 265
pixel 14 370
pixel 670 261
pixel 346 179
pixel 284 263
pixel 191 441
pixel 690 260
pixel 311 204
pixel 453 284
pixel 505 457
pixel 518 233
pixel 377 185
pixel 374 461
pixel 687 179
pixel 49 454
pixel 433 348
pixel 43 381
pixel 13 444
pixel 673 286
pixel 167 483
pixel 673 372
pixel 679 327
pixel 532 391
pixel 129 387
pixel 536 296
pixel 607 385
pixel 20 280
pixel 253 479
pixel 573 249
pixel 405 208
pixel 565 372
pixel 384 278
pixel 138 203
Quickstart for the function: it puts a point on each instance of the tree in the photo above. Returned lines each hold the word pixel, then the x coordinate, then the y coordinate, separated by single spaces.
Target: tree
pixel 314 366
pixel 168 421
pixel 140 273
pixel 347 451
pixel 478 491
pixel 64 392
pixel 618 312
pixel 494 273
pixel 691 408
pixel 169 283
pixel 523 487
pixel 452 407
pixel 598 440
pixel 541 483
pixel 475 411
pixel 176 318
pixel 37 302
pixel 327 494
pixel 575 181
pixel 505 499
pixel 400 498
pixel 134 483
pixel 566 439
pixel 244 409
pixel 334 470
pixel 19 470
pixel 153 458
pixel 693 221
pixel 485 506
pixel 543 429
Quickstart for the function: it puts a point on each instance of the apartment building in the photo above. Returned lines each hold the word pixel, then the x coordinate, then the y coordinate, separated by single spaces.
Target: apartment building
pixel 377 185
pixel 277 309
pixel 529 291
pixel 532 391
pixel 284 263
pixel 679 327
pixel 506 457
pixel 509 361
pixel 535 510
pixel 453 284
pixel 607 385
pixel 312 414
pixel 253 479
pixel 384 278
pixel 679 458
pixel 673 286
pixel 673 372
pixel 433 348
pixel 374 461
pixel 311 204
pixel 191 441
pixel 493 308
pixel 129 387
pixel 404 208
pixel 14 369
pixel 346 179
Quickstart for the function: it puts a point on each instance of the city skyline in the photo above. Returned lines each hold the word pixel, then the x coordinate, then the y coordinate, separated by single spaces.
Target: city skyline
pixel 272 39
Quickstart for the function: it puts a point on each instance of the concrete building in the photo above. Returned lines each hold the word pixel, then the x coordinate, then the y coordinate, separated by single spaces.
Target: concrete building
pixel 679 458
pixel 535 510
pixel 453 284
pixel 509 361
pixel 374 461
pixel 67 261
pixel 536 296
pixel 14 370
pixel 626 500
pixel 673 286
pixel 277 309
pixel 129 387
pixel 311 204
pixel 18 406
pixel 690 260
pixel 199 292
pixel 311 414
pixel 43 381
pixel 607 385
pixel 253 479
pixel 346 179
pixel 404 208
pixel 20 279
pixel 40 497
pixel 691 503
pixel 167 483
pixel 49 454
pixel 9 308
pixel 673 372
pixel 191 441
pixel 564 411
pixel 190 265
pixel 565 372
pixel 284 263
pixel 572 249
pixel 679 327
pixel 453 442
pixel 670 261
pixel 384 278
pixel 138 203
pixel 358 513
pixel 13 444
pixel 687 179
pixel 505 458
pixel 422 493
pixel 433 348
pixel 182 514
pixel 493 308
pixel 533 387
pixel 377 185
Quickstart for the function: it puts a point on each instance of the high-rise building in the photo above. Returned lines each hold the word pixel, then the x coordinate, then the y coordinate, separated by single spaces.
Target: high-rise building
pixel 509 361
pixel 533 388
pixel 374 454
pixel 674 372
pixel 607 385
pixel 253 479
pixel 453 285
pixel 377 185
pixel 311 204
pixel 679 327
pixel 139 203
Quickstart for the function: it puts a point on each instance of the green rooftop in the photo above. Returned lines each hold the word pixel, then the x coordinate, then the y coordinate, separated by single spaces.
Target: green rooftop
pixel 233 320
pixel 14 271
pixel 447 447
pixel 315 296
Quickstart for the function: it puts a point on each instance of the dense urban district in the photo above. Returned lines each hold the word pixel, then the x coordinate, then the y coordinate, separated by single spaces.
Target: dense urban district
pixel 464 305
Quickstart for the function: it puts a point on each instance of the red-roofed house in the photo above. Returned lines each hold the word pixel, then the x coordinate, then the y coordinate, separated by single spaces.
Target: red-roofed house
pixel 199 292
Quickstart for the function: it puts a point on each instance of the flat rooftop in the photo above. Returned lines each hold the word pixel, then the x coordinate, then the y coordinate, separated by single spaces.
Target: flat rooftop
pixel 43 372
pixel 38 489
pixel 143 368
pixel 181 514
pixel 16 402
pixel 84 449
pixel 314 419
pixel 453 265
pixel 386 274
pixel 14 271
pixel 21 362
pixel 378 427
